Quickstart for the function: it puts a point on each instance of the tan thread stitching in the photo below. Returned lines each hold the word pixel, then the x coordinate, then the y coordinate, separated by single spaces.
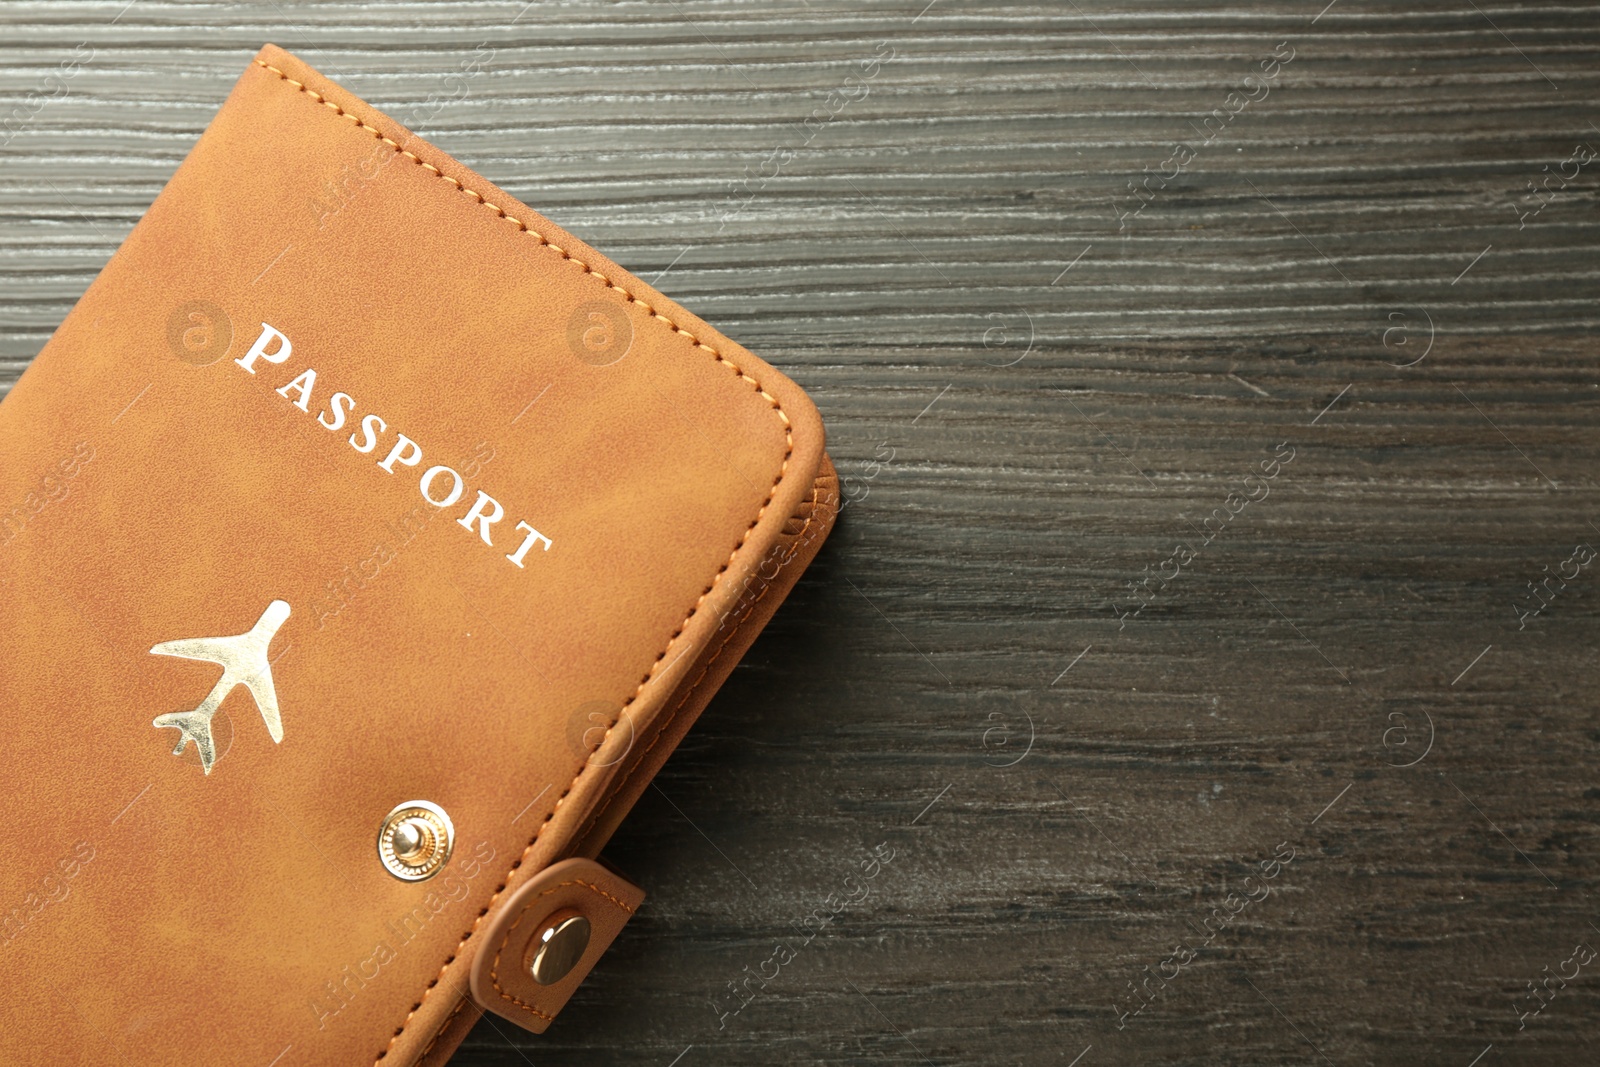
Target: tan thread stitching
pixel 777 407
pixel 536 235
pixel 494 968
pixel 448 1019
pixel 639 764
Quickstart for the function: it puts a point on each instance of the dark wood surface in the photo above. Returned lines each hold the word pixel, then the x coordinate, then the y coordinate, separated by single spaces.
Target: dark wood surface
pixel 1036 396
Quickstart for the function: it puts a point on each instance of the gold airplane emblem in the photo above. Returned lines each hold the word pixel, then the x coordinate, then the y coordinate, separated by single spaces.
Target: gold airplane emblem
pixel 243 659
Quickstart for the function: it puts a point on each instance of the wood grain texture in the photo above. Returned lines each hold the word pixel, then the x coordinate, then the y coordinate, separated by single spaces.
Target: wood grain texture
pixel 1035 397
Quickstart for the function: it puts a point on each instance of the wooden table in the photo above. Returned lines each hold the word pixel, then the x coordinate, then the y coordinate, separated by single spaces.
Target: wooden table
pixel 1210 382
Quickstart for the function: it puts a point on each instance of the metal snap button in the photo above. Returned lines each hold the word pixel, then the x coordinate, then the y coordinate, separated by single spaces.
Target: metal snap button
pixel 415 840
pixel 559 947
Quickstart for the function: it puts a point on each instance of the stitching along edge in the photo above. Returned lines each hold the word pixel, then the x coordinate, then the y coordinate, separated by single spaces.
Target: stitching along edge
pixel 693 687
pixel 777 407
pixel 448 1019
pixel 494 968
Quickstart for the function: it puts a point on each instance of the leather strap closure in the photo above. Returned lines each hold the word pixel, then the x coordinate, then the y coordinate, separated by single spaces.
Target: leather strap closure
pixel 503 971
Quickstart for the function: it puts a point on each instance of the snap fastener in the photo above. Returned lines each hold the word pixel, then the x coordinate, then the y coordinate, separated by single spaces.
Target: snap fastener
pixel 559 947
pixel 415 840
pixel 531 955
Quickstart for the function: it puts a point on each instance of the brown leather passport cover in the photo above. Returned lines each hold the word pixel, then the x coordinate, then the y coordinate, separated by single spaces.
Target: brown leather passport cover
pixel 495 554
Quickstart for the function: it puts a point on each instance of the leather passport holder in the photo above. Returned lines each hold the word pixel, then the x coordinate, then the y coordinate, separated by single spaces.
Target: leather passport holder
pixel 366 543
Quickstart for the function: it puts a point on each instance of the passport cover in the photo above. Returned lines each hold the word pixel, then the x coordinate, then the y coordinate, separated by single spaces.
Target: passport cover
pixel 464 512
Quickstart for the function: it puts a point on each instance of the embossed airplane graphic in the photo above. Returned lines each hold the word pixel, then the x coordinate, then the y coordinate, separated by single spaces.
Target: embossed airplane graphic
pixel 243 660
